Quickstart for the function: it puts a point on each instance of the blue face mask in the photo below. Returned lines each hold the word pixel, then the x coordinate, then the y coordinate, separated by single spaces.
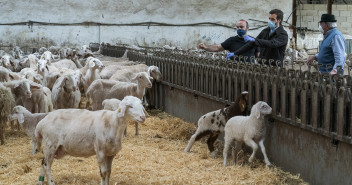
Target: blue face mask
pixel 241 32
pixel 271 24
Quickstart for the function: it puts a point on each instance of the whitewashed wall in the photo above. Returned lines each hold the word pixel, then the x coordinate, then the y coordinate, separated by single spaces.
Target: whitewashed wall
pixel 225 12
pixel 308 16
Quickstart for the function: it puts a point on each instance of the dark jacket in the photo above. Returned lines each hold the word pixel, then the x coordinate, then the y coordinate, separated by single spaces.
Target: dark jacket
pixel 271 47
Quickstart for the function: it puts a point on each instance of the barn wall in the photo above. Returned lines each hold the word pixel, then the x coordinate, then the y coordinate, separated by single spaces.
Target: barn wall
pixel 308 16
pixel 225 12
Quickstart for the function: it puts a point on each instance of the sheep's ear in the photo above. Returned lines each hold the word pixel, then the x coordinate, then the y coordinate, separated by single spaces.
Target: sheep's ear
pixel 135 77
pixel 34 86
pixel 25 61
pixel 63 82
pixel 122 109
pixel 91 63
pixel 257 111
pixel 243 104
pixel 47 67
pixel 151 78
pixel 12 63
pixel 20 118
pixel 11 77
pixel 16 85
pixel 145 112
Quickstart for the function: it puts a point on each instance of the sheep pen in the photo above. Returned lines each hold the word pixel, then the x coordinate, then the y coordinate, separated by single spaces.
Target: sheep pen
pixel 154 157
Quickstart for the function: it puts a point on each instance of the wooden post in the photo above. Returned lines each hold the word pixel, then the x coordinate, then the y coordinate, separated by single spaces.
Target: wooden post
pixel 329 6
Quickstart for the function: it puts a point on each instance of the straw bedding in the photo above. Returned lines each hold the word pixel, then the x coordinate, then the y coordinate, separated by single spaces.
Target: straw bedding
pixel 154 157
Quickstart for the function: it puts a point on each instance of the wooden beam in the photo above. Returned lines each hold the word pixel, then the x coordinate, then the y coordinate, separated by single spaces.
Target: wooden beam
pixel 329 6
pixel 294 20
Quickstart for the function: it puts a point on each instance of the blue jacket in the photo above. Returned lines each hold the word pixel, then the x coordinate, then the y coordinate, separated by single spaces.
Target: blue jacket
pixel 332 51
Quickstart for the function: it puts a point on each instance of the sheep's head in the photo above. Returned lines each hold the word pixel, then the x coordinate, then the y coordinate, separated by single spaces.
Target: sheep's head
pixel 144 79
pixel 69 84
pixel 23 88
pixel 261 109
pixel 47 55
pixel 95 63
pixel 84 48
pixel 42 64
pixel 17 113
pixel 7 61
pixel 42 50
pixel 154 72
pixel 132 107
pixel 17 52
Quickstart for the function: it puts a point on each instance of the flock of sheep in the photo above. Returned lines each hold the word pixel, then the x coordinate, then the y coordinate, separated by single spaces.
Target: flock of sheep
pixel 44 91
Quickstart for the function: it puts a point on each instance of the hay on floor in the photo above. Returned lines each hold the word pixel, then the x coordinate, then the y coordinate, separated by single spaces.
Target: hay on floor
pixel 155 156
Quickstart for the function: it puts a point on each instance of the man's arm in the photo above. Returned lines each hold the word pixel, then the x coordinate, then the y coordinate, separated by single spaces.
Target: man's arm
pixel 279 41
pixel 211 48
pixel 338 48
pixel 249 45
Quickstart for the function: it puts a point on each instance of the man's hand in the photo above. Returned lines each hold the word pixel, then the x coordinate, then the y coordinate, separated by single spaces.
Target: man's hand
pixel 311 59
pixel 248 38
pixel 230 55
pixel 202 46
pixel 334 71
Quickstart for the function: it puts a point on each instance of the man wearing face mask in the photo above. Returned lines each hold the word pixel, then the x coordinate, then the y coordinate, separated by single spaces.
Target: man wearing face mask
pixel 332 49
pixel 272 40
pixel 233 43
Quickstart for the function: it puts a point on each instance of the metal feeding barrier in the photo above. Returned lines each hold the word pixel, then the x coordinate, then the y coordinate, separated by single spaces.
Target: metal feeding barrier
pixel 314 101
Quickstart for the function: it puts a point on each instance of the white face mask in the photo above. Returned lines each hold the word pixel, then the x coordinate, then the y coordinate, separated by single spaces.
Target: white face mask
pixel 321 29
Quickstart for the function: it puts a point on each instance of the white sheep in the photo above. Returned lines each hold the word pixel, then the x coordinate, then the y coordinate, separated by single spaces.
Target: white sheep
pixel 65 93
pixel 110 70
pixel 4 74
pixel 7 75
pixel 38 102
pixel 19 88
pixel 92 73
pixel 102 89
pixel 32 59
pixel 65 63
pixel 28 121
pixel 50 79
pixel 84 133
pixel 48 99
pixel 111 104
pixel 213 123
pixel 7 61
pixel 126 74
pixel 43 68
pixel 48 56
pixel 248 129
pixel 7 102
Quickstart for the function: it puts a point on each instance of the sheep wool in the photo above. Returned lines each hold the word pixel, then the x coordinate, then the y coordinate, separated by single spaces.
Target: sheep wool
pixel 248 129
pixel 7 102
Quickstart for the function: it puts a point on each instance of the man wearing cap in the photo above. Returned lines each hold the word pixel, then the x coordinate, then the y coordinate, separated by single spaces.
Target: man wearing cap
pixel 332 48
pixel 233 43
pixel 271 40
